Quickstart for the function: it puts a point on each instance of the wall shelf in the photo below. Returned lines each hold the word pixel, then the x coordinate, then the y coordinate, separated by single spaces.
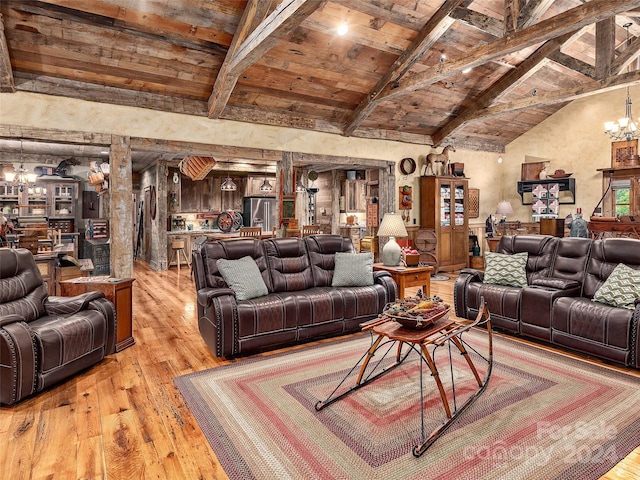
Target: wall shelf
pixel 565 184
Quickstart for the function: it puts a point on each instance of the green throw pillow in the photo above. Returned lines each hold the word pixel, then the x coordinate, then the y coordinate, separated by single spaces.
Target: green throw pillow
pixel 243 277
pixel 353 270
pixel 621 288
pixel 509 270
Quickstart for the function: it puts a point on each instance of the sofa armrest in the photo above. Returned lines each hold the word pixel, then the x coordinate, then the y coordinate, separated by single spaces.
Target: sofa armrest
pixel 386 280
pixel 556 283
pixel 461 288
pixel 10 318
pixel 473 274
pixel 69 305
pixel 206 294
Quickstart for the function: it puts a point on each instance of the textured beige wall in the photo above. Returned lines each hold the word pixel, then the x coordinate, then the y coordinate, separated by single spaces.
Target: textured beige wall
pixel 572 139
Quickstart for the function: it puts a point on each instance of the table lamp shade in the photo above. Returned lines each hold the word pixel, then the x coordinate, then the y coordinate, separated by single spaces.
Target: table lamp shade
pixel 504 208
pixel 392 226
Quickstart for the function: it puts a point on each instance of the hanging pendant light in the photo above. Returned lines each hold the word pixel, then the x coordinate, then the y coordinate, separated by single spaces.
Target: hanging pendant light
pixel 266 186
pixel 625 128
pixel 300 188
pixel 228 185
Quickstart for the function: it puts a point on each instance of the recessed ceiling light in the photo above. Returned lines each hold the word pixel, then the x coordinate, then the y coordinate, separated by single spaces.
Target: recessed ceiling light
pixel 466 70
pixel 343 29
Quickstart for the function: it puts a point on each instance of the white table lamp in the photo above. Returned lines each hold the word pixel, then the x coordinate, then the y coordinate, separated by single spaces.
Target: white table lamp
pixel 392 226
pixel 504 208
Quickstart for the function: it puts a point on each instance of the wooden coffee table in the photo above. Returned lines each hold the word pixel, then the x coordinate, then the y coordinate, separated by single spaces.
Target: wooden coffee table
pixel 408 277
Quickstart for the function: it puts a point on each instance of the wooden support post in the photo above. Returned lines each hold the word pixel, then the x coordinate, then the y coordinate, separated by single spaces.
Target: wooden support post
pixel 121 209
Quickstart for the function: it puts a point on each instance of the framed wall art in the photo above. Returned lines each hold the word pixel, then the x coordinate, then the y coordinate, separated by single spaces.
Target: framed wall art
pixel 621 151
pixel 474 202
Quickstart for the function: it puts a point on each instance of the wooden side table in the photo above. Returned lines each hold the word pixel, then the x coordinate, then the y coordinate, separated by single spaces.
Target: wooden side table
pixel 408 277
pixel 119 292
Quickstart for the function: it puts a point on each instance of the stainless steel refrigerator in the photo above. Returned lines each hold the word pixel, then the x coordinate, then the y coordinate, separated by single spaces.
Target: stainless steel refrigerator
pixel 259 212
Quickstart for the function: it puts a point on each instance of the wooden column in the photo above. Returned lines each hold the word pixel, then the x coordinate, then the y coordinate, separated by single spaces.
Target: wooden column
pixel 121 209
pixel 335 209
pixel 160 223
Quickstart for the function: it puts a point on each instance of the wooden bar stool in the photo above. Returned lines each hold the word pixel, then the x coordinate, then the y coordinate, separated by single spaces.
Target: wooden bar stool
pixel 177 247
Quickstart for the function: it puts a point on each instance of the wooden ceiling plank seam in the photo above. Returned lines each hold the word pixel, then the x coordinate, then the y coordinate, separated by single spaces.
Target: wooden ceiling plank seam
pixel 506 83
pixel 435 27
pixel 628 55
pixel 225 81
pixel 532 11
pixel 146 66
pixel 7 83
pixel 283 20
pixel 565 22
pixel 587 89
pixel 605 47
pixel 67 69
pixel 480 21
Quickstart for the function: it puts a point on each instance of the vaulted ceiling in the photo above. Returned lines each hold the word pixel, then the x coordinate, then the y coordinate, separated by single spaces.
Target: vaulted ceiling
pixel 474 73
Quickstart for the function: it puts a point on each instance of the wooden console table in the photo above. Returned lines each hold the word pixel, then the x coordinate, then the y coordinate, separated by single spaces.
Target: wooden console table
pixel 408 277
pixel 119 292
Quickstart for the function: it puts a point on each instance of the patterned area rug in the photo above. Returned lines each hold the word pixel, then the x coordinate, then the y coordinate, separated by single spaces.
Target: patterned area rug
pixel 543 416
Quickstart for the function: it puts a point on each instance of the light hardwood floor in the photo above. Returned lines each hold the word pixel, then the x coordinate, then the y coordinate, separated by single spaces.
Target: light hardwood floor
pixel 124 418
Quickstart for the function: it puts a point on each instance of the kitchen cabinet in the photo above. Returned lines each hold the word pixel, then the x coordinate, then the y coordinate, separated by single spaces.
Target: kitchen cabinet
pixel 206 196
pixel 444 208
pixel 355 192
pixel 45 198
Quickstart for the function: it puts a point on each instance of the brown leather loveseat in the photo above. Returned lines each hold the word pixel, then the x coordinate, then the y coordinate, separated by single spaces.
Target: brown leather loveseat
pixel 300 303
pixel 44 339
pixel 563 275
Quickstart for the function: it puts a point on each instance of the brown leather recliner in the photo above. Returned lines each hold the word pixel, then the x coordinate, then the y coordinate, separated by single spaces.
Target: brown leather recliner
pixel 44 339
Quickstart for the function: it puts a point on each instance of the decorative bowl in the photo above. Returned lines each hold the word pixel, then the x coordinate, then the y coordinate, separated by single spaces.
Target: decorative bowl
pixel 559 175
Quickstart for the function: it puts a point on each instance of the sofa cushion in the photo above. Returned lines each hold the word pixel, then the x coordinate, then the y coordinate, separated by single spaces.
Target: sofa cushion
pixel 243 277
pixel 541 250
pixel 353 270
pixel 322 250
pixel 288 264
pixel 621 288
pixel 509 270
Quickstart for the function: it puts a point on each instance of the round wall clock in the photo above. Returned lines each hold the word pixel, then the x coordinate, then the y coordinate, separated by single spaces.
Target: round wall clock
pixel 407 166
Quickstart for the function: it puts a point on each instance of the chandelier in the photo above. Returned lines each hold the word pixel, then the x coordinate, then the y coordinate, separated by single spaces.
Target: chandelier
pixel 21 176
pixel 228 185
pixel 625 128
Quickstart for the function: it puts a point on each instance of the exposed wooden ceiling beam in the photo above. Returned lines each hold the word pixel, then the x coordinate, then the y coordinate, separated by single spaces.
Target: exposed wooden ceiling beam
pixel 7 83
pixel 428 35
pixel 574 64
pixel 508 81
pixel 478 20
pixel 595 87
pixel 626 57
pixel 225 82
pixel 556 26
pixel 512 9
pixel 605 47
pixel 282 21
pixel 532 12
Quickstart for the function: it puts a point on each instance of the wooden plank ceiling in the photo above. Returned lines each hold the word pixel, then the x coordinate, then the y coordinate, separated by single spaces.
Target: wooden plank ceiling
pixel 474 73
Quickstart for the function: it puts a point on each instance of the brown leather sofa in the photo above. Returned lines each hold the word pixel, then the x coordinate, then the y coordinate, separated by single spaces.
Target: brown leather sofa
pixel 563 275
pixel 301 304
pixel 44 339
